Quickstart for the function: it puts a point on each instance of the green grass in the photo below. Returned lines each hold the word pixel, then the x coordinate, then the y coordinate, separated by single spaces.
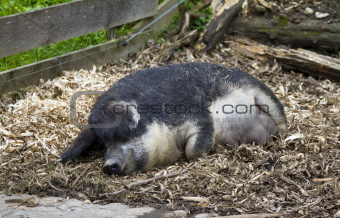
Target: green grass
pixel 9 7
pixel 52 50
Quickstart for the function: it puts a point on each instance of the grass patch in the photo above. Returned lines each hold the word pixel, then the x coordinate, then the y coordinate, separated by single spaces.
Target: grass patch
pixel 52 50
pixel 9 7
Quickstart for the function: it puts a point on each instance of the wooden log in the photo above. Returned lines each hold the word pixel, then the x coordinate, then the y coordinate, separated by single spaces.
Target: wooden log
pixel 300 60
pixel 30 30
pixel 307 34
pixel 215 29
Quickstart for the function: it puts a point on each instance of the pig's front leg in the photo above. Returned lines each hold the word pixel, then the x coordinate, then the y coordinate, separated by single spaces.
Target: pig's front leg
pixel 85 139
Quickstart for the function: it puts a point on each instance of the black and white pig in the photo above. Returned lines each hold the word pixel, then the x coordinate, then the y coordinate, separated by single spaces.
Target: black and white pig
pixel 177 111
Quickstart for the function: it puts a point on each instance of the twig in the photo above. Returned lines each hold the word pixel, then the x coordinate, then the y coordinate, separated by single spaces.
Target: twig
pixel 297 198
pixel 185 26
pixel 82 173
pixel 196 199
pixel 289 181
pixel 45 146
pixel 311 204
pixel 40 93
pixel 116 193
pixel 322 179
pixel 54 187
pixel 143 182
pixel 259 215
pixel 261 162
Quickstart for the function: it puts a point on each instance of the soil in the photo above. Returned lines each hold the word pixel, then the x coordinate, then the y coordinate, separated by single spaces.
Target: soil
pixel 297 176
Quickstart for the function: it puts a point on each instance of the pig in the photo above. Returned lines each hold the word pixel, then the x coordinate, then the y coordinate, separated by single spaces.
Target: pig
pixel 178 111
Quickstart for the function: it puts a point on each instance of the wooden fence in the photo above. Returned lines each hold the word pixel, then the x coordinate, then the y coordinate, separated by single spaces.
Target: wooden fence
pixel 30 30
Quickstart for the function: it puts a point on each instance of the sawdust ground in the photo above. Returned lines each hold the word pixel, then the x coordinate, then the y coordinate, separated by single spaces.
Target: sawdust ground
pixel 297 175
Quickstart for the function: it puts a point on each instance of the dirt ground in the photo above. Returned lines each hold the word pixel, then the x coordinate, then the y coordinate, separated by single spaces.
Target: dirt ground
pixel 297 176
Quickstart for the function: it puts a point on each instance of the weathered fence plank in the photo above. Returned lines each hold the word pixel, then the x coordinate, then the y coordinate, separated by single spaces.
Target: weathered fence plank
pixel 53 67
pixel 82 59
pixel 26 31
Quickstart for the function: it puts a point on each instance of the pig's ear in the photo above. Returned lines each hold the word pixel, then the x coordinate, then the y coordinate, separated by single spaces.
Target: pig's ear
pixel 133 116
pixel 128 111
pixel 85 139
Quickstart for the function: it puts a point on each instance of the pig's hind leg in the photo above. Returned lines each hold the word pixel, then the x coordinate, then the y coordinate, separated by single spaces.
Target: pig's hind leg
pixel 272 107
pixel 84 140
pixel 261 130
pixel 200 143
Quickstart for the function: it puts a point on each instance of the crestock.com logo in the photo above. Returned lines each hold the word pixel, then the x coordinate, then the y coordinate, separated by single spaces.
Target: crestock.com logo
pixel 118 109
pixel 73 111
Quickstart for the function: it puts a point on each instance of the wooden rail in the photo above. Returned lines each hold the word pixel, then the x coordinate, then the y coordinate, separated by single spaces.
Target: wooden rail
pixel 30 30
pixel 14 79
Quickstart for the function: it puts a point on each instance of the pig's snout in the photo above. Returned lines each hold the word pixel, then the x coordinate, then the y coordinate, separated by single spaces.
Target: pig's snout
pixel 112 167
pixel 122 160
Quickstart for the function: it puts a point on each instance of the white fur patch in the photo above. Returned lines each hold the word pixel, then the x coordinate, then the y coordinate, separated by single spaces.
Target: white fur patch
pixel 236 112
pixel 166 145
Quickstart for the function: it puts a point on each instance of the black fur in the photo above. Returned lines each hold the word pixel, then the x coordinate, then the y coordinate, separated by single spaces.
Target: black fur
pixel 187 84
